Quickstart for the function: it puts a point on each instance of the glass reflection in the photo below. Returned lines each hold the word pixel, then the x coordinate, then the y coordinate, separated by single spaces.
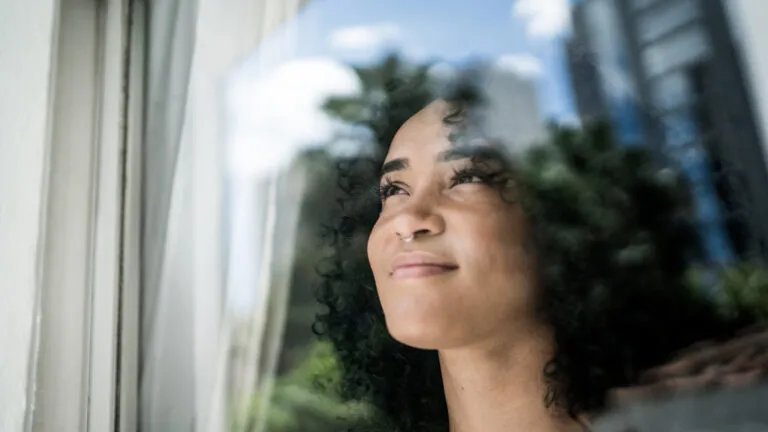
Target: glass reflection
pixel 320 99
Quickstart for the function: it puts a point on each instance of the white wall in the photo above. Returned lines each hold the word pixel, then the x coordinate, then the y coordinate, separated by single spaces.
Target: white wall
pixel 26 55
pixel 748 20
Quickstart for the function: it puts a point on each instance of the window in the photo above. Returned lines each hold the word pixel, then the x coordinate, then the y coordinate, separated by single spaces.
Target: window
pixel 680 128
pixel 642 4
pixel 716 242
pixel 615 77
pixel 193 182
pixel 681 48
pixel 665 18
pixel 66 196
pixel 672 90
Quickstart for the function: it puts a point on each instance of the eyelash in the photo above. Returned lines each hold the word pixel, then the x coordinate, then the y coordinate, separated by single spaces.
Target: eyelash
pixel 390 187
pixel 468 173
pixel 387 189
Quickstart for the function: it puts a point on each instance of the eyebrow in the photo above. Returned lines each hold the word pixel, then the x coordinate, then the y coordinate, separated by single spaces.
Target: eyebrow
pixel 477 154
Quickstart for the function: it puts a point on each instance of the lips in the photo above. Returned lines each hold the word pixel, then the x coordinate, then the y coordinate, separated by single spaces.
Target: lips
pixel 419 264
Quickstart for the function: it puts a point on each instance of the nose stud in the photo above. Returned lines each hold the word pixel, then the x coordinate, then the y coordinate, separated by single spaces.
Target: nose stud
pixel 406 239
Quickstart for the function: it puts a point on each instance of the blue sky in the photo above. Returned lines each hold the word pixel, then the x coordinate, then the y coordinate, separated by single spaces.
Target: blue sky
pixel 275 103
pixel 274 96
pixel 449 30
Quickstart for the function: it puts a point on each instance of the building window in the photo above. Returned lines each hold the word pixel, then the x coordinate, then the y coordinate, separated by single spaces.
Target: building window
pixel 716 242
pixel 731 191
pixel 671 91
pixel 607 38
pixel 679 49
pixel 715 233
pixel 665 18
pixel 642 4
pixel 679 128
pixel 707 207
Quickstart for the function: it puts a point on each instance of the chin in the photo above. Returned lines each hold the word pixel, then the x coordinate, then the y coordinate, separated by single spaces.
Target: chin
pixel 424 335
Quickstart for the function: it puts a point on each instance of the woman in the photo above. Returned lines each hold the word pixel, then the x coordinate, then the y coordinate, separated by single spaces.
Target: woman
pixel 474 312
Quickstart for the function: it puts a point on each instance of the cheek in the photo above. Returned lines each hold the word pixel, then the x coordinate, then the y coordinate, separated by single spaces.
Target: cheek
pixel 375 249
pixel 493 241
pixel 497 262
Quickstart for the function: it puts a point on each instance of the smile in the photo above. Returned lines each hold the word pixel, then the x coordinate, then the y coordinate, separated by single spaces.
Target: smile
pixel 420 270
pixel 419 265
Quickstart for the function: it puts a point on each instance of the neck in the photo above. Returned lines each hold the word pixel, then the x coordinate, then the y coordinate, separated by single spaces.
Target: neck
pixel 493 387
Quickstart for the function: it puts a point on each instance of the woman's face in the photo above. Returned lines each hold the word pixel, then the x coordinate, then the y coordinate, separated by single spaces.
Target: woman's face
pixel 466 277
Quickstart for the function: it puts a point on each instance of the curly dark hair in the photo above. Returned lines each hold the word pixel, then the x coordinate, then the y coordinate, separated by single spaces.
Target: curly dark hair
pixel 613 237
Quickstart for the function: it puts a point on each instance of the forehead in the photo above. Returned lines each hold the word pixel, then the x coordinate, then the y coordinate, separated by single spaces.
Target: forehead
pixel 425 132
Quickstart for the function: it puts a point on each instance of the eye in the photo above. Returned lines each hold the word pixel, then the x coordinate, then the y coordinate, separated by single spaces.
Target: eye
pixel 465 179
pixel 389 188
pixel 469 176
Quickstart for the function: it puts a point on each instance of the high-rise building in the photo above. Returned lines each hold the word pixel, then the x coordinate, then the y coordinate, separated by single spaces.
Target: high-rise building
pixel 582 64
pixel 747 20
pixel 672 79
pixel 512 112
pixel 598 25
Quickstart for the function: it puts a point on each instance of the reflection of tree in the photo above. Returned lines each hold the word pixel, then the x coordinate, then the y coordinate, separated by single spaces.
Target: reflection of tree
pixel 723 145
pixel 318 206
pixel 307 398
pixel 297 404
pixel 391 92
pixel 618 240
pixel 372 111
pixel 746 291
pixel 730 186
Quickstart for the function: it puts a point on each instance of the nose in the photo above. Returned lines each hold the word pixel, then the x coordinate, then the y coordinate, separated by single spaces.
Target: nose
pixel 418 218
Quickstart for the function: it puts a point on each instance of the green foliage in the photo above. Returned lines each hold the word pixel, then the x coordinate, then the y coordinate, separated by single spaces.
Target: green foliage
pixel 615 238
pixel 746 291
pixel 307 398
pixel 392 91
pixel 320 367
pixel 612 199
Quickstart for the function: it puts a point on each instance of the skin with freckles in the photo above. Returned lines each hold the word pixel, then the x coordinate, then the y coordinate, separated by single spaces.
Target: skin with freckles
pixel 464 284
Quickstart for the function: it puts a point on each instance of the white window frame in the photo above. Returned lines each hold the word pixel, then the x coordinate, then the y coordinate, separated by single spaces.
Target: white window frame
pixel 25 87
pixel 71 107
pixel 70 273
pixel 130 305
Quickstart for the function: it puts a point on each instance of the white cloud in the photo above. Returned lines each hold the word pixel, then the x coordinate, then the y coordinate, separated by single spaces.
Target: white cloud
pixel 545 19
pixel 275 116
pixel 569 119
pixel 442 71
pixel 524 65
pixel 365 37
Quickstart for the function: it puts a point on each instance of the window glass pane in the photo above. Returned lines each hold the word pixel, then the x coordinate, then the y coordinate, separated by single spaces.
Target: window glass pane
pixel 680 128
pixel 665 18
pixel 671 90
pixel 716 241
pixel 678 49
pixel 641 4
pixel 605 37
pixel 405 187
